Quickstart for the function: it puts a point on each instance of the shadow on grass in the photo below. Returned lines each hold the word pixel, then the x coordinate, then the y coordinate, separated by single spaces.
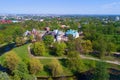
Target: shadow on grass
pixel 63 62
pixel 46 68
pixel 3 69
pixel 6 48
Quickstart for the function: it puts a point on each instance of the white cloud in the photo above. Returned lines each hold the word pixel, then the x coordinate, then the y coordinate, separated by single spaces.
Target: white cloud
pixel 113 5
pixel 110 8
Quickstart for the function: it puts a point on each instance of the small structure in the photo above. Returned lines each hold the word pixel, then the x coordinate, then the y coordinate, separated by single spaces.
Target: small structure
pixel 41 20
pixel 27 33
pixel 59 35
pixel 64 26
pixel 47 29
pixel 74 33
pixel 5 21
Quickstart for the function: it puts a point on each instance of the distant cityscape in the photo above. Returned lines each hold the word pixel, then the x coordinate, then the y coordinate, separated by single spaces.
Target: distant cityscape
pixel 15 18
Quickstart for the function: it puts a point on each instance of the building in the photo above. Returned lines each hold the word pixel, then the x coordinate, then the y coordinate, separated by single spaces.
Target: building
pixel 5 21
pixel 117 18
pixel 74 33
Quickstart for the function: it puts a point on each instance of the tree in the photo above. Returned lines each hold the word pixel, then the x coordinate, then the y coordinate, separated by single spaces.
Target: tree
pixel 4 76
pixel 21 71
pixel 1 38
pixel 100 45
pixel 83 46
pixel 60 48
pixel 48 39
pixel 110 47
pixel 71 45
pixel 19 41
pixel 74 62
pixel 8 38
pixel 31 38
pixel 55 67
pixel 70 37
pixel 35 66
pixel 50 78
pixel 101 72
pixel 12 60
pixel 87 46
pixel 39 48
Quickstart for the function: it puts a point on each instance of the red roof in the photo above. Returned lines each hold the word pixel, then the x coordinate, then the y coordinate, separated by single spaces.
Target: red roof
pixel 5 21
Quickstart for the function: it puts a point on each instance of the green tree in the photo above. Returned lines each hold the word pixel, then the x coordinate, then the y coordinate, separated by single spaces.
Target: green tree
pixel 1 38
pixel 39 48
pixel 60 48
pixel 87 46
pixel 50 78
pixel 70 37
pixel 4 76
pixel 55 67
pixel 21 71
pixel 19 41
pixel 110 48
pixel 48 39
pixel 74 62
pixel 100 45
pixel 35 66
pixel 71 45
pixel 101 71
pixel 31 38
pixel 11 60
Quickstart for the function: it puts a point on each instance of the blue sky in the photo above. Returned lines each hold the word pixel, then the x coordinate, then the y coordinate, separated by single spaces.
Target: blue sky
pixel 60 6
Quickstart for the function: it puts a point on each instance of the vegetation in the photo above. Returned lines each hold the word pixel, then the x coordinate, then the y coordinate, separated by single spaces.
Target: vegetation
pixel 101 71
pixel 35 66
pixel 4 76
pixel 74 62
pixel 56 68
pixel 11 60
pixel 99 39
pixel 19 41
pixel 48 40
pixel 39 48
pixel 60 48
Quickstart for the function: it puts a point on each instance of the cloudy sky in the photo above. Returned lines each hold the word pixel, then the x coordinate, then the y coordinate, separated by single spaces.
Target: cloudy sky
pixel 60 6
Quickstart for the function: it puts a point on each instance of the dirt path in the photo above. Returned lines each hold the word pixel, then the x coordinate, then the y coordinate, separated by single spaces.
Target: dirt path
pixel 82 56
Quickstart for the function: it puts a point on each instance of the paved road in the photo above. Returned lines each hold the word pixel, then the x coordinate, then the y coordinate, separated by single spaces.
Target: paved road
pixel 82 56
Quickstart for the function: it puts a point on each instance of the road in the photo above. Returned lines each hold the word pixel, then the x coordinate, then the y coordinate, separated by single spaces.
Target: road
pixel 82 56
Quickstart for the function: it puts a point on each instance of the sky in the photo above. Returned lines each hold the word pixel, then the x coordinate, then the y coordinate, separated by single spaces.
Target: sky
pixel 60 6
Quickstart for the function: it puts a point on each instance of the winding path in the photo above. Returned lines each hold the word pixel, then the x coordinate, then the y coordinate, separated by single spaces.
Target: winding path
pixel 82 56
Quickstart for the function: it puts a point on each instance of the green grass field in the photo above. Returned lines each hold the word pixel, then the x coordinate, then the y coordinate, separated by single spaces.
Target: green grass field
pixel 22 52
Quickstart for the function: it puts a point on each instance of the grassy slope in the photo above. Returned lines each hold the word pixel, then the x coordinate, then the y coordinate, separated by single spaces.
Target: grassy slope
pixel 20 51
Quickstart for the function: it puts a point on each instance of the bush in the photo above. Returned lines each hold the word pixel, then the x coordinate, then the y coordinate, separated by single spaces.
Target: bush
pixel 4 76
pixel 48 39
pixel 39 48
pixel 60 48
pixel 11 60
pixel 35 66
pixel 55 67
pixel 21 70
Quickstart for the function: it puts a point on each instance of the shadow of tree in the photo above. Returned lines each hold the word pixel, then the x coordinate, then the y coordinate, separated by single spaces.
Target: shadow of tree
pixel 4 69
pixel 6 48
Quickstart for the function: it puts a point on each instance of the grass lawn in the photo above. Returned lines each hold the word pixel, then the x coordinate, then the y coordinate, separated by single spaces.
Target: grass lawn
pixel 66 72
pixel 22 52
